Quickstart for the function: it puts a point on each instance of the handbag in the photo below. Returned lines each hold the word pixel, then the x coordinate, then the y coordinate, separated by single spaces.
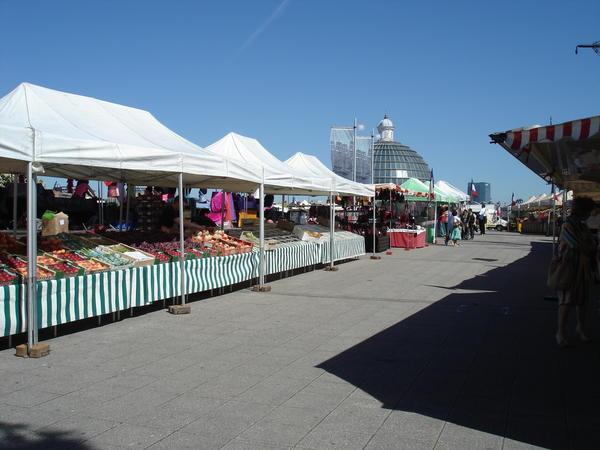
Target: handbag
pixel 562 272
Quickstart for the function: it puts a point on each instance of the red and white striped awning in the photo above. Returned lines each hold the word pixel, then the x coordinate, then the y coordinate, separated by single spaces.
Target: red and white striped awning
pixel 576 130
pixel 567 154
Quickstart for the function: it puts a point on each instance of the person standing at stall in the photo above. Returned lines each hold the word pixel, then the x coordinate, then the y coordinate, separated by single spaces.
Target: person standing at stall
pixel 577 252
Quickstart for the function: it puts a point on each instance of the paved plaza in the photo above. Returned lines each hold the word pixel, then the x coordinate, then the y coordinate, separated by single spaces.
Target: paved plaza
pixel 435 348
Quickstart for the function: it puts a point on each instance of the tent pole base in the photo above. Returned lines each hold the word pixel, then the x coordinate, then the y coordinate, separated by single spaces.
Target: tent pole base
pixel 259 288
pixel 331 269
pixel 375 257
pixel 38 350
pixel 180 309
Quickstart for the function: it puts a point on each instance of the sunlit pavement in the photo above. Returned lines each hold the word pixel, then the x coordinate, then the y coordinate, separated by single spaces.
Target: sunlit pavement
pixel 443 347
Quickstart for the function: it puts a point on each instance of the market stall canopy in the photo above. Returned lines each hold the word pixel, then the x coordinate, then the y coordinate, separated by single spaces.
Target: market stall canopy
pixel 81 137
pixel 567 154
pixel 415 190
pixel 452 190
pixel 312 167
pixel 280 178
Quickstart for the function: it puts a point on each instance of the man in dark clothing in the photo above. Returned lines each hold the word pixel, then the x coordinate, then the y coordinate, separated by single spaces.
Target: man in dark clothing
pixel 471 224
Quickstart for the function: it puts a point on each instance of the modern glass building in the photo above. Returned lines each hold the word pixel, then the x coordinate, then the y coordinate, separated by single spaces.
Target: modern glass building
pixel 483 189
pixel 395 162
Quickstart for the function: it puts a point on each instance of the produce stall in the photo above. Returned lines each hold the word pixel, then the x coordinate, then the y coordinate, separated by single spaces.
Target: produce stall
pixel 69 277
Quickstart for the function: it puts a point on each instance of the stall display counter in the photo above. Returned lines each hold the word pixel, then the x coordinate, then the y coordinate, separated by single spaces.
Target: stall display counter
pixel 406 238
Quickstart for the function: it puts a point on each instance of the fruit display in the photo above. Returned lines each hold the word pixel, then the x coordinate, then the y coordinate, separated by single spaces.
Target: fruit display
pixel 92 265
pixel 66 268
pixel 7 277
pixel 46 260
pixel 13 261
pixel 220 243
pixel 41 273
pixel 106 256
pixel 67 255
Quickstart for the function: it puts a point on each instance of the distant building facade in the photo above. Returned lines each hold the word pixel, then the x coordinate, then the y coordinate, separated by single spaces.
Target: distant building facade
pixel 483 189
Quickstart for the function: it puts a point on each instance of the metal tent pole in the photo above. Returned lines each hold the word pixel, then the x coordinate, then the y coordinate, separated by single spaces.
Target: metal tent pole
pixel 15 193
pixel 181 308
pixel 32 335
pixel 127 216
pixel 553 222
pixel 374 255
pixel 121 198
pixel 223 199
pixel 331 266
pixel 261 227
pixel 181 239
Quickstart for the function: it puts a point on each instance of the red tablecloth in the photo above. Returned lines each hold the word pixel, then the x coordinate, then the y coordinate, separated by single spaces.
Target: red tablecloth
pixel 406 240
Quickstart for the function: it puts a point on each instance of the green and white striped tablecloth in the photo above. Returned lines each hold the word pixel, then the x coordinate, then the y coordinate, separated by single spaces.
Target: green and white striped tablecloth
pixel 346 245
pixel 74 298
pixel 12 312
pixel 292 256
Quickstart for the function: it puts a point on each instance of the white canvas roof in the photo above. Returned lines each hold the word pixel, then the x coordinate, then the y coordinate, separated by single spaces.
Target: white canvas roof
pixel 450 189
pixel 81 137
pixel 279 177
pixel 312 166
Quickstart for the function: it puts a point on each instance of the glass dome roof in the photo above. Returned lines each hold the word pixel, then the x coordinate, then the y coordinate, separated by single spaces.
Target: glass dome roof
pixel 395 163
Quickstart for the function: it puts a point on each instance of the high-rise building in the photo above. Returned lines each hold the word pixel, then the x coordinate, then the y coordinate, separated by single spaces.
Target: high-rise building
pixel 483 189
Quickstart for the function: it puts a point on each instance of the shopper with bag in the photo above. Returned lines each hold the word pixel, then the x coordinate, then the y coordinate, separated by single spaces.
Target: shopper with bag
pixel 573 271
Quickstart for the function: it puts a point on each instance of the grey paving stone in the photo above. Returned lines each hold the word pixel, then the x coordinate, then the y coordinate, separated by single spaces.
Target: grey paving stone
pixel 78 427
pixel 126 435
pixel 180 439
pixel 28 397
pixel 275 433
pixel 326 438
pixel 456 436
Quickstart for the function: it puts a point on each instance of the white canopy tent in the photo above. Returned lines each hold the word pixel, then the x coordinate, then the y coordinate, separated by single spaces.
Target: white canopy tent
pixel 61 134
pixel 279 178
pixel 452 190
pixel 81 137
pixel 312 166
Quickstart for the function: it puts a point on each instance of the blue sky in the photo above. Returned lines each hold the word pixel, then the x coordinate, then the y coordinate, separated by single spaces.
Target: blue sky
pixel 448 73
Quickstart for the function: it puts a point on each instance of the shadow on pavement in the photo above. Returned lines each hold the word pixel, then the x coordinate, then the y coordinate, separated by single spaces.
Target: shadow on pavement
pixel 486 361
pixel 19 436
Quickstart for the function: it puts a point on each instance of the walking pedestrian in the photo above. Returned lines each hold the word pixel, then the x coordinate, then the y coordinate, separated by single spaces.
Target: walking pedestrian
pixel 471 224
pixel 443 221
pixel 463 224
pixel 456 230
pixel 577 251
pixel 450 225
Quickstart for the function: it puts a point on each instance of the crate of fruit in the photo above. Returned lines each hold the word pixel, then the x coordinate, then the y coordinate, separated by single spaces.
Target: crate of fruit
pixel 67 255
pixel 41 273
pixel 8 276
pixel 65 269
pixel 93 265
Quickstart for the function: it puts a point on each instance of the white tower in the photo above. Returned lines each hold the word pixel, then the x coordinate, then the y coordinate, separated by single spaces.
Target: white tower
pixel 386 130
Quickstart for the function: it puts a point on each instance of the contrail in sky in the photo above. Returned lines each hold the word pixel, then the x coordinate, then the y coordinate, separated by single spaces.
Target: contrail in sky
pixel 274 15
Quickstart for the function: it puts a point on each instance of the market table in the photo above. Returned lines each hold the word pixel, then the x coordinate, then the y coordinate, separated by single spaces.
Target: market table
pixel 405 238
pixel 292 255
pixel 347 245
